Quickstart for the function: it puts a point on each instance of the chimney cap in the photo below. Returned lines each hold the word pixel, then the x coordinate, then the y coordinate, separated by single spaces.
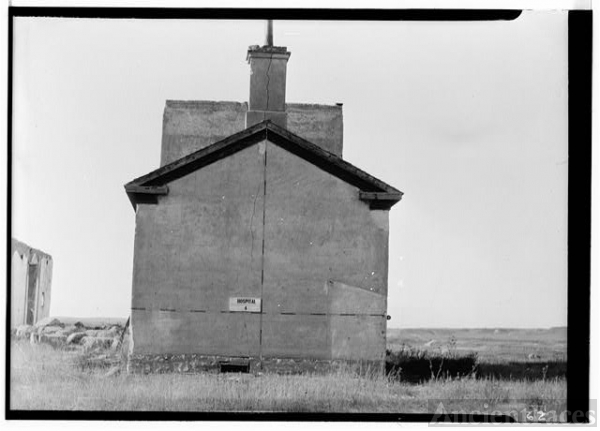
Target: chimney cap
pixel 268 48
pixel 268 51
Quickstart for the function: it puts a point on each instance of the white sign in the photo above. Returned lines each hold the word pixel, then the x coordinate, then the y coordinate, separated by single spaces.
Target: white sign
pixel 244 304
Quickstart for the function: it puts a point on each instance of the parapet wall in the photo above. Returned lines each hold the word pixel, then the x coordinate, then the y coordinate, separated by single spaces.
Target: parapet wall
pixel 189 126
pixel 320 124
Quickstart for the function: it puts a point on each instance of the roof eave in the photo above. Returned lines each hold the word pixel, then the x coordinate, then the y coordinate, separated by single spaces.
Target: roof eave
pixel 145 194
pixel 147 188
pixel 370 183
pixel 380 200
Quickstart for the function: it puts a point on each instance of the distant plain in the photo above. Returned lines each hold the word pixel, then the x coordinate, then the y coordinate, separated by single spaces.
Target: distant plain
pixel 491 344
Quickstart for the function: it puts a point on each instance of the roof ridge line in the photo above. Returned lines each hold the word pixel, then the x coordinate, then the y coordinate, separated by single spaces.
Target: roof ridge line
pixel 310 152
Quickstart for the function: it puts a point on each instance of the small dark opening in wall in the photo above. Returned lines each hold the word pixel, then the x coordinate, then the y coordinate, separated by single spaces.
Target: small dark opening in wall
pixel 235 367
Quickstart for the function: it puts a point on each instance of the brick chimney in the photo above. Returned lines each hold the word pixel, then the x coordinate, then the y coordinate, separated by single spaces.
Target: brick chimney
pixel 268 66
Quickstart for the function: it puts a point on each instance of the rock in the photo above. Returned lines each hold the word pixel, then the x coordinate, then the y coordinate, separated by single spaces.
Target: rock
pixel 50 329
pixel 90 343
pixel 33 337
pixel 73 329
pixel 533 356
pixel 114 331
pixel 55 340
pixel 75 337
pixel 115 344
pixel 24 331
pixel 105 333
pixel 93 332
pixel 49 321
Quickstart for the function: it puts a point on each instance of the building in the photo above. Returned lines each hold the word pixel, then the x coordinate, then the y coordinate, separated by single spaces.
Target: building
pixel 31 280
pixel 256 244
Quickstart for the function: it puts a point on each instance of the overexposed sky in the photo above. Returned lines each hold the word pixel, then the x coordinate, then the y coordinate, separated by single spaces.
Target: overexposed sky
pixel 469 120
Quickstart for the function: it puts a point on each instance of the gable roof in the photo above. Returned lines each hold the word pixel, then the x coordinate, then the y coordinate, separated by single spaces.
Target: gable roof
pixel 147 188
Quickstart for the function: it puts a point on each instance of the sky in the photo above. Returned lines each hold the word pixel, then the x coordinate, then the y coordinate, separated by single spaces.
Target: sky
pixel 468 119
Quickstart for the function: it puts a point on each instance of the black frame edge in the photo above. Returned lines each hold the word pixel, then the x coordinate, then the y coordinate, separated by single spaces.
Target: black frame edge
pixel 579 215
pixel 323 14
pixel 9 94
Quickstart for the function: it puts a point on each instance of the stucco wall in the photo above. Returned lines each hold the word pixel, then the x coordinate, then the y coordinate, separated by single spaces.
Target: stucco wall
pixel 318 230
pixel 191 125
pixel 324 269
pixel 196 248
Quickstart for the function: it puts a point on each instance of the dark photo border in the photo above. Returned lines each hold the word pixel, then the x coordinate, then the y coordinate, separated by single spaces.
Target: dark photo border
pixel 579 202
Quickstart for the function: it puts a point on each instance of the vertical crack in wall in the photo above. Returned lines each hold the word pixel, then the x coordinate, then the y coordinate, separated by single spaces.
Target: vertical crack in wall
pixel 268 81
pixel 262 270
pixel 262 265
pixel 252 224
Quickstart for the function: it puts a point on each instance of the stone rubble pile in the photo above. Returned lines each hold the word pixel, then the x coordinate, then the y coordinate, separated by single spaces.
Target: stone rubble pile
pixel 109 342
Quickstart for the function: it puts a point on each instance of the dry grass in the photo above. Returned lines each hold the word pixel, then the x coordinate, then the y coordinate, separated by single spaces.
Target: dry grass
pixel 43 378
pixel 491 345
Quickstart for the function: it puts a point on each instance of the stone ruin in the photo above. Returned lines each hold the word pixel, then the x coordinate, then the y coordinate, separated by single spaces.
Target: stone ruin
pixel 105 345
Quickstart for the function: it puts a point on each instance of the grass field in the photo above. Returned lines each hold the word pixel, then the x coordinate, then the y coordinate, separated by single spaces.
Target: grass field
pixel 491 345
pixel 44 378
pixel 501 353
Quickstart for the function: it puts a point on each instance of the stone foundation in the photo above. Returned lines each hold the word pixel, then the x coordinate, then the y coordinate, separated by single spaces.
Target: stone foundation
pixel 194 363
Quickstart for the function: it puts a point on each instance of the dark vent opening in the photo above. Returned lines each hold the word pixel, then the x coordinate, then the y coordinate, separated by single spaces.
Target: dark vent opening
pixel 235 367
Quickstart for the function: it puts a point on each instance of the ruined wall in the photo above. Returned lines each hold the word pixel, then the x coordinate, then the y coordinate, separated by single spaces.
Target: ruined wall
pixel 191 125
pixel 44 291
pixel 18 292
pixel 323 270
pixel 29 265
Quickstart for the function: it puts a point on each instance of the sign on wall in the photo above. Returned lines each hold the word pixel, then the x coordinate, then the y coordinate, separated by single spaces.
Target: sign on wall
pixel 244 304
